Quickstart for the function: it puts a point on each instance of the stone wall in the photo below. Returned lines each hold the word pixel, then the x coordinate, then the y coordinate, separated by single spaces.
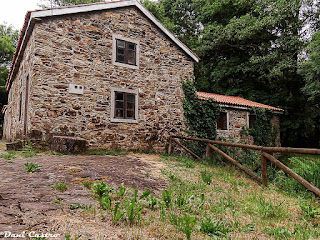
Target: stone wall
pixel 238 119
pixel 78 49
pixel 13 126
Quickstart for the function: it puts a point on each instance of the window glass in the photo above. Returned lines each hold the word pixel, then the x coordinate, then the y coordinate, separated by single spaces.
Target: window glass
pixel 222 122
pixel 126 52
pixel 124 105
pixel 252 119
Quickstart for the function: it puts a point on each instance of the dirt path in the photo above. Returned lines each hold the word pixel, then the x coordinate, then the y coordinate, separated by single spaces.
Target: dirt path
pixel 27 201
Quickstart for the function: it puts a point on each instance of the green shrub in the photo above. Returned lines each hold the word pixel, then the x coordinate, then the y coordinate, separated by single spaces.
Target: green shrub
pixel 308 209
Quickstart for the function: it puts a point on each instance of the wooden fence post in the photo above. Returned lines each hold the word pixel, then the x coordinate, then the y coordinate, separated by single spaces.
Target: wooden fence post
pixel 234 162
pixel 264 173
pixel 208 151
pixel 170 145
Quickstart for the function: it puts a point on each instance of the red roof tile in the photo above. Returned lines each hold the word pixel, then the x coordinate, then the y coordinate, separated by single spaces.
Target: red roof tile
pixel 4 108
pixel 235 101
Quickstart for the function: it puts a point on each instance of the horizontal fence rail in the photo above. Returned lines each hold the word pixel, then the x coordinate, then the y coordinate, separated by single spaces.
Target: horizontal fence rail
pixel 265 157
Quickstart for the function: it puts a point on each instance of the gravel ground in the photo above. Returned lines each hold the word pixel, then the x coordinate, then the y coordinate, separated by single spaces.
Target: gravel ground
pixel 28 202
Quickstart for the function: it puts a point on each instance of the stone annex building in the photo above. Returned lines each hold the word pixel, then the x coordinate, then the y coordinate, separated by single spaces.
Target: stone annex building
pixel 107 72
pixel 237 114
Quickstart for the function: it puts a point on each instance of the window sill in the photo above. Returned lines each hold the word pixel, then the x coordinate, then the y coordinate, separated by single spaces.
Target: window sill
pixel 125 65
pixel 119 120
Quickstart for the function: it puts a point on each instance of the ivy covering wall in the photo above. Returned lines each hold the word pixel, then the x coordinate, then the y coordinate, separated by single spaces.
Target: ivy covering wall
pixel 262 131
pixel 201 115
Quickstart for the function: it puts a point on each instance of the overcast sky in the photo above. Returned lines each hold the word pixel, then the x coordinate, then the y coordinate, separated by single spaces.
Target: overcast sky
pixel 13 11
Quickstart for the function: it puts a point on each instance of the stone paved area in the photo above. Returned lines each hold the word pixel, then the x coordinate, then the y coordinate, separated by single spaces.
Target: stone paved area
pixel 27 199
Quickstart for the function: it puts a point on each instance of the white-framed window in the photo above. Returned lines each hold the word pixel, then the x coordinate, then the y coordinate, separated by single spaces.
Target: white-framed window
pixel 124 105
pixel 223 121
pixel 125 52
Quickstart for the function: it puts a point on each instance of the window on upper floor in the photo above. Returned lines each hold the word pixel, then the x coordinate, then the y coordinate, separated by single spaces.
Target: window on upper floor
pixel 222 121
pixel 124 105
pixel 125 52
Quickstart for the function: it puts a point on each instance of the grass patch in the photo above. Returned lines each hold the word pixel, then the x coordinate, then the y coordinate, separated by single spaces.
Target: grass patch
pixel 9 155
pixel 61 186
pixel 102 152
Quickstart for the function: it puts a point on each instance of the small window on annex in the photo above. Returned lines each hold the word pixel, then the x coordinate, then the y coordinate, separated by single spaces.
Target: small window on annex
pixel 222 121
pixel 252 119
pixel 125 52
pixel 124 105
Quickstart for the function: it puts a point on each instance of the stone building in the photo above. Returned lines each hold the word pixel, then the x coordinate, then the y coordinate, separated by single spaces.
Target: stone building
pixel 237 114
pixel 107 72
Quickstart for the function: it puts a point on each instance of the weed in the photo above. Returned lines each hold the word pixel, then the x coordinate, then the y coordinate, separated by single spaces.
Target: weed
pixel 267 209
pixel 167 197
pixel 152 201
pixel 61 186
pixel 100 188
pixel 206 176
pixel 117 214
pixel 87 184
pixel 58 201
pixel 133 210
pixel 279 232
pixel 105 201
pixel 68 237
pixel 122 191
pixel 184 224
pixel 180 201
pixel 9 155
pixel 77 206
pixel 213 228
pixel 31 167
pixel 28 154
pixel 308 209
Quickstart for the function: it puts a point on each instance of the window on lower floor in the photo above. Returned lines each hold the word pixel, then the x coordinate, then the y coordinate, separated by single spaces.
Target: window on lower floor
pixel 222 122
pixel 124 105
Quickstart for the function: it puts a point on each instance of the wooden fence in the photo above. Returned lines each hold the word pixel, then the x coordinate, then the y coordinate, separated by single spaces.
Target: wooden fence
pixel 264 153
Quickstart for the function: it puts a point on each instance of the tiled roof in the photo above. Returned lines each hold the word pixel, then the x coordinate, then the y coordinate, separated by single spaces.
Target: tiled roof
pixel 235 101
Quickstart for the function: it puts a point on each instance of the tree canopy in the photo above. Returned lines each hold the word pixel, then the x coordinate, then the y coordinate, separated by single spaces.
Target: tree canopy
pixel 8 40
pixel 252 49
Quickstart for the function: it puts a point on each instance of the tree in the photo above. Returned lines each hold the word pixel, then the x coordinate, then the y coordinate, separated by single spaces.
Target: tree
pixel 8 40
pixel 310 70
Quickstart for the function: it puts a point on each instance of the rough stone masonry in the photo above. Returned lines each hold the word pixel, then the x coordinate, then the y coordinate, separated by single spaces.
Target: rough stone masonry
pixel 77 49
